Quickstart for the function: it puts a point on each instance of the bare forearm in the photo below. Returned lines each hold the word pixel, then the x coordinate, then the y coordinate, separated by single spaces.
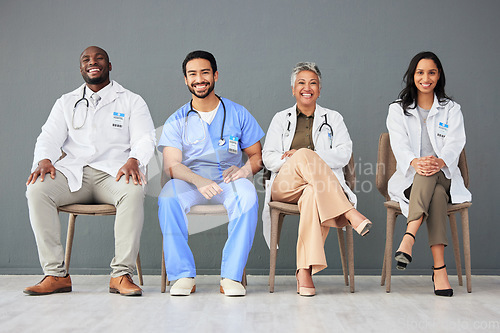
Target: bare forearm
pixel 182 172
pixel 254 163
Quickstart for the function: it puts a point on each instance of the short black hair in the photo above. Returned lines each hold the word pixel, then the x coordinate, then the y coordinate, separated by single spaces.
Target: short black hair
pixel 199 55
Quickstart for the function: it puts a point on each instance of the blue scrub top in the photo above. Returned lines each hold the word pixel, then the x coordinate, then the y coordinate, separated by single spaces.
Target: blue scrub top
pixel 206 158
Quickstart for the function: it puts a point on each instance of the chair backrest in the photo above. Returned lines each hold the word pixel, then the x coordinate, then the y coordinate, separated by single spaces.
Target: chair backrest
pixel 386 165
pixel 350 173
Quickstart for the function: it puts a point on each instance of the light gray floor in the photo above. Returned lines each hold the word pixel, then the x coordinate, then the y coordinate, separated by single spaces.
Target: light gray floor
pixel 410 307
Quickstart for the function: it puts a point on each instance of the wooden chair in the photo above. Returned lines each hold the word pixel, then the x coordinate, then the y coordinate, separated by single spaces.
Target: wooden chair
pixel 386 166
pixel 278 212
pixel 203 210
pixel 91 210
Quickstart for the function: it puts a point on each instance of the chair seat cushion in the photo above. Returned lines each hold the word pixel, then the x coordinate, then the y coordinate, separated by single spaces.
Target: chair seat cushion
pixel 292 209
pixel 90 209
pixel 208 210
pixel 451 207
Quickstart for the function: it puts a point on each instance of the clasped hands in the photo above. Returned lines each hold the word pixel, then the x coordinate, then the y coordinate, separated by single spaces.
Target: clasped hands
pixel 208 188
pixel 427 165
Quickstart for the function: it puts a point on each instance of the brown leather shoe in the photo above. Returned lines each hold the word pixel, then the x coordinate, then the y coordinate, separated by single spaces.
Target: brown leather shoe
pixel 124 285
pixel 50 285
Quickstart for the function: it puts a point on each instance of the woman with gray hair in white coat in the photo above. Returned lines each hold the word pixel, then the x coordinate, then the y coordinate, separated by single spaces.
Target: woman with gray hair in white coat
pixel 306 148
pixel 427 135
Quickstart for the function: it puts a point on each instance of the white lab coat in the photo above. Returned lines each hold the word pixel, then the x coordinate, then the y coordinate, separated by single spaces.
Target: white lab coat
pixel 405 135
pixel 97 144
pixel 279 140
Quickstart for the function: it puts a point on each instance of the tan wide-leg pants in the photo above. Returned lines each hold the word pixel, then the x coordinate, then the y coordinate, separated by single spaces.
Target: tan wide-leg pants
pixel 429 197
pixel 307 180
pixel 97 187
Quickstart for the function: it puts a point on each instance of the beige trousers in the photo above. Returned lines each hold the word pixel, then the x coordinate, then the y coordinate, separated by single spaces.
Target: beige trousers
pixel 429 197
pixel 307 180
pixel 97 187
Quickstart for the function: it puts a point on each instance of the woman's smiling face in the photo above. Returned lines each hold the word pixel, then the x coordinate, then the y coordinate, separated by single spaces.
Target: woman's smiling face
pixel 426 76
pixel 306 89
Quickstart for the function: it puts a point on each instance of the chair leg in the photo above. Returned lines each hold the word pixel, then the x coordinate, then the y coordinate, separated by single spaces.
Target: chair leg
pixel 340 233
pixel 383 275
pixel 465 232
pixel 382 278
pixel 163 272
pixel 244 278
pixel 139 269
pixel 391 223
pixel 275 216
pixel 456 247
pixel 350 255
pixel 69 240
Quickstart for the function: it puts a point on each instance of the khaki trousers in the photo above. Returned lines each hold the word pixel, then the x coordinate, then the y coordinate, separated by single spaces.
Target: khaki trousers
pixel 97 187
pixel 307 180
pixel 429 196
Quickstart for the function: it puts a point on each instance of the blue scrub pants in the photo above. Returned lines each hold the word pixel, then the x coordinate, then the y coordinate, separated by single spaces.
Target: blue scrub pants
pixel 175 201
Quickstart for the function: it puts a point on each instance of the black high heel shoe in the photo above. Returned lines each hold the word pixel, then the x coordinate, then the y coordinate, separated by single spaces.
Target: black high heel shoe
pixel 441 292
pixel 402 258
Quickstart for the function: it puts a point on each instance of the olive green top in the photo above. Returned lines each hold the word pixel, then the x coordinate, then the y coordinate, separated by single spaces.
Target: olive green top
pixel 303 132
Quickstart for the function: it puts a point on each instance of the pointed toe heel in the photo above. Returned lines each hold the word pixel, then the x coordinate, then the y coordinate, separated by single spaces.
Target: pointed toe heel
pixel 441 292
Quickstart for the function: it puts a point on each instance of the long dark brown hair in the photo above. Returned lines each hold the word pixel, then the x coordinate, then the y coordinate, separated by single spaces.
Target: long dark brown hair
pixel 409 95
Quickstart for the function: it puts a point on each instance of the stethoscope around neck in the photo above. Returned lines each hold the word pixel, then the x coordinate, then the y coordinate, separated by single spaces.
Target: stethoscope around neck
pixel 325 123
pixel 222 141
pixel 83 99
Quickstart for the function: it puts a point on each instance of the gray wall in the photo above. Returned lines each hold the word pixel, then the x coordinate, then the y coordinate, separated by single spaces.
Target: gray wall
pixel 362 48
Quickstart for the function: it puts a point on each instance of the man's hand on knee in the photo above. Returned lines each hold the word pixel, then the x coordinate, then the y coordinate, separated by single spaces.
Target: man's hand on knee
pixel 131 169
pixel 44 167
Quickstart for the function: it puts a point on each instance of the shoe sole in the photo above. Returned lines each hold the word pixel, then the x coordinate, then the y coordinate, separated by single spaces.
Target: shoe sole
pixel 57 291
pixel 232 293
pixel 402 260
pixel 306 292
pixel 133 293
pixel 182 292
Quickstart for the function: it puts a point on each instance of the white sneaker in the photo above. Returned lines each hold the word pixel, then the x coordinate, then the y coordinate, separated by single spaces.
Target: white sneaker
pixel 230 287
pixel 183 287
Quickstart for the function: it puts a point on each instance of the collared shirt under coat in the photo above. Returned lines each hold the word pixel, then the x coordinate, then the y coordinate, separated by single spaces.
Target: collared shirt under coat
pixel 98 143
pixel 279 140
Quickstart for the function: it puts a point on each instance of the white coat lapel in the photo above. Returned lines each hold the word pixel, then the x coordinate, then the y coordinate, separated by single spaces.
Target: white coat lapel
pixel 413 127
pixel 111 95
pixel 319 118
pixel 432 122
pixel 291 116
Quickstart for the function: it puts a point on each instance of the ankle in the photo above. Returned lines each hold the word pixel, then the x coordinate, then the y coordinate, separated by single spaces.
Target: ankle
pixel 304 277
pixel 407 240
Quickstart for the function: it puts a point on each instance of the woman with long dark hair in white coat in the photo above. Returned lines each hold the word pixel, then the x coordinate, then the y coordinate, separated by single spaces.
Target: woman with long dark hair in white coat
pixel 427 135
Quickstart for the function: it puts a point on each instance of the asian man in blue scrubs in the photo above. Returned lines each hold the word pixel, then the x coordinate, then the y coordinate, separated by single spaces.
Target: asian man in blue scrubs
pixel 203 145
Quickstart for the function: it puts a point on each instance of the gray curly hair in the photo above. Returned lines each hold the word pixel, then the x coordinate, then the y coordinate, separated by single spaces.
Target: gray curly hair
pixel 305 66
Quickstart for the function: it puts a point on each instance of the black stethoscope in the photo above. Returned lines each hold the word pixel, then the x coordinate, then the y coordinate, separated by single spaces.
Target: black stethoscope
pixel 330 129
pixel 83 99
pixel 325 123
pixel 222 141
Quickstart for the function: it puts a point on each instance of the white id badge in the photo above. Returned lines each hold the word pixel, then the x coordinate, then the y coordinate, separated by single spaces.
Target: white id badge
pixel 118 119
pixel 442 130
pixel 233 145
